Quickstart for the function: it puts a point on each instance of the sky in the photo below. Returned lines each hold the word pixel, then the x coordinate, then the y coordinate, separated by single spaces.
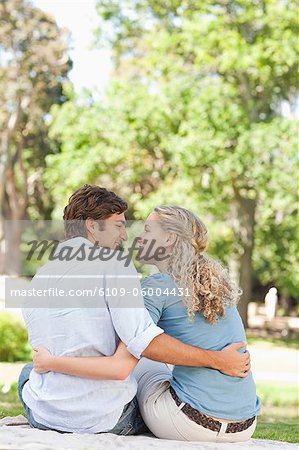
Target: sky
pixel 91 67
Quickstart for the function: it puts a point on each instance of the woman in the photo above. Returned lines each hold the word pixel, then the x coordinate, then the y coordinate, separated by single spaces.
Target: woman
pixel 192 299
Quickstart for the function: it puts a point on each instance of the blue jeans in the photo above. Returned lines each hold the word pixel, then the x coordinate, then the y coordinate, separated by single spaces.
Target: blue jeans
pixel 23 378
pixel 130 422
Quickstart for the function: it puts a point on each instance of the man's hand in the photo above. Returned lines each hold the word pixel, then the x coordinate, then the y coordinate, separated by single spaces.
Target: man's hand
pixel 42 359
pixel 232 362
pixel 169 350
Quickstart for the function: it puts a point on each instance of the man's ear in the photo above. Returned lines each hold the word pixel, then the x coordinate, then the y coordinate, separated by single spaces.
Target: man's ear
pixel 90 225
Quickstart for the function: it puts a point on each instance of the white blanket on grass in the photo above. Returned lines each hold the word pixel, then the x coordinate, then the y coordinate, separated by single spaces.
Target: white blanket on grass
pixel 16 434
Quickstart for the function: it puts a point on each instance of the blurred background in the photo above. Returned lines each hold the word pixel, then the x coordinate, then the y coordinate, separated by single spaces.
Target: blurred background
pixel 164 102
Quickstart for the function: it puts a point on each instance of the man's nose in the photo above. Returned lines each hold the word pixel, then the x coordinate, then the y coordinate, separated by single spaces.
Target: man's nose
pixel 124 235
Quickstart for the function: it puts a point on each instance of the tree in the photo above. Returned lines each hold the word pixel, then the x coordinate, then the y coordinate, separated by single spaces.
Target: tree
pixel 118 142
pixel 227 61
pixel 193 116
pixel 33 65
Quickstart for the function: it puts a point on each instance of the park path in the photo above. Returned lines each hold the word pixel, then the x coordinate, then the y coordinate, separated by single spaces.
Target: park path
pixel 275 364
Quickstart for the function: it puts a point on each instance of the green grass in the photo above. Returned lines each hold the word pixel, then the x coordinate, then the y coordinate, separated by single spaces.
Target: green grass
pixel 280 414
pixel 279 420
pixel 278 424
pixel 10 404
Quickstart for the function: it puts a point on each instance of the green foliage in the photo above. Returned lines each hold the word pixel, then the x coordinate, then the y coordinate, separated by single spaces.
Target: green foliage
pixel 222 85
pixel 117 143
pixel 14 344
pixel 193 116
pixel 33 65
pixel 277 244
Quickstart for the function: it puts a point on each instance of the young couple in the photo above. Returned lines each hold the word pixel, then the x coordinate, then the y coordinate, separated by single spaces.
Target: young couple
pixel 99 364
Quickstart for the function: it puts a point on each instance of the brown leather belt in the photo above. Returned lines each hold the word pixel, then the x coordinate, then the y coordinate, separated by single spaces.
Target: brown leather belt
pixel 208 422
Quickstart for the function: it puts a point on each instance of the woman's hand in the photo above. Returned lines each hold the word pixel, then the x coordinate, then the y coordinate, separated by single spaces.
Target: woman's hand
pixel 125 361
pixel 116 367
pixel 42 359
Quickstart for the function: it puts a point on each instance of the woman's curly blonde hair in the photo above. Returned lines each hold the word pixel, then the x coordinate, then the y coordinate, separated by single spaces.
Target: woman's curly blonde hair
pixel 208 283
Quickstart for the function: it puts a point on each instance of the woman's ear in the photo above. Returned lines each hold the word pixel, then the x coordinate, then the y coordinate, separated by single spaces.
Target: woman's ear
pixel 171 238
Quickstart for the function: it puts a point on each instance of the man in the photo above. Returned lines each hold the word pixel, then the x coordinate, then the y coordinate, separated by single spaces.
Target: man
pixel 80 325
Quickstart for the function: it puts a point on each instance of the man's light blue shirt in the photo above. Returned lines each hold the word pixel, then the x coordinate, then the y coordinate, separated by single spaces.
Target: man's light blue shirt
pixel 84 326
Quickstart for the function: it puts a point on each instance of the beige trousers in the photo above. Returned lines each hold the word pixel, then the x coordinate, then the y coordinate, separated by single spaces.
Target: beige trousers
pixel 164 418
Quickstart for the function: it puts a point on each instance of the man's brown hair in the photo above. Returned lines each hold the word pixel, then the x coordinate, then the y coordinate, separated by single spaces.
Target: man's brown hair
pixel 92 202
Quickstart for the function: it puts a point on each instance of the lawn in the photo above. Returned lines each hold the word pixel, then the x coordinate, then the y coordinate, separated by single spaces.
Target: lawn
pixel 279 420
pixel 10 404
pixel 279 425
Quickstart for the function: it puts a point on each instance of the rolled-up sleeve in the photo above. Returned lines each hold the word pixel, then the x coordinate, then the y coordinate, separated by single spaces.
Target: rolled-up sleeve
pixel 130 318
pixel 135 328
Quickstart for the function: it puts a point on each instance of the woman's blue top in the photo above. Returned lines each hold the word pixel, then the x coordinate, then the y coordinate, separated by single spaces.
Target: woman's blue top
pixel 206 390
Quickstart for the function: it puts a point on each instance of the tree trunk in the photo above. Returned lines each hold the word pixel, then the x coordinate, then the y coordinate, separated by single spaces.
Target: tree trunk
pixel 13 207
pixel 2 246
pixel 9 206
pixel 245 282
pixel 286 303
pixel 245 236
pixel 12 248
